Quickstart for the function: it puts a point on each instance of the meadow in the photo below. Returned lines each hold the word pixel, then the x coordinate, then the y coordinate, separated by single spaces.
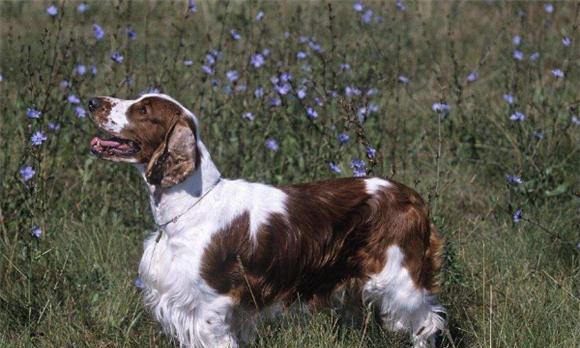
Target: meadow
pixel 474 104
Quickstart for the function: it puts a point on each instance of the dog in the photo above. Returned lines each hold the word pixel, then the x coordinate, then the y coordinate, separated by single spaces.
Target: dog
pixel 228 253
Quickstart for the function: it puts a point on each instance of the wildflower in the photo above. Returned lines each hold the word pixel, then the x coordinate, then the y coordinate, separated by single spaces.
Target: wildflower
pixel 210 59
pixel 259 92
pixel 52 10
pixel 117 57
pixel 343 138
pixel 472 76
pixel 401 6
pixel 514 179
pixel 54 126
pixel 98 32
pixel 32 113
pixel 517 40
pixel 73 99
pixel 82 7
pixel 266 52
pixel 36 232
pixel 371 152
pixel 301 93
pixel 344 66
pixel 286 76
pixel 94 69
pixel 80 69
pixel 403 79
pixel 358 167
pixel 232 75
pixel 372 108
pixel 517 215
pixel 26 173
pixel 64 84
pixel 260 16
pixel 517 117
pixel 510 99
pixel 138 282
pixel 131 34
pixel 301 55
pixel 283 89
pixel 518 55
pixel 534 56
pixel 314 46
pixel 241 88
pixel 248 116
pixel 80 112
pixel 275 101
pixel 566 41
pixel 575 120
pixel 272 144
pixel 441 108
pixel 312 114
pixel 549 8
pixel 358 7
pixel 1 78
pixel 351 91
pixel 257 60
pixel 557 73
pixel 206 69
pixel 192 6
pixel 188 62
pixel 367 17
pixel 372 91
pixel 334 167
pixel 235 35
pixel 38 138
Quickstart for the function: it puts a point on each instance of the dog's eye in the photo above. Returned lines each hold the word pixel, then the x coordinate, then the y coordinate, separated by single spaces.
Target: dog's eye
pixel 143 110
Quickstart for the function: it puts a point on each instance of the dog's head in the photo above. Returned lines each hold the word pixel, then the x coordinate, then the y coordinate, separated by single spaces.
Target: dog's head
pixel 154 130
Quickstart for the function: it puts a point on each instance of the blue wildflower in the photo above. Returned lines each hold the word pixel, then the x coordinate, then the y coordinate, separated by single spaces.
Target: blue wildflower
pixel 575 120
pixel 351 91
pixel 371 152
pixel 117 57
pixel 259 92
pixel 312 114
pixel 401 6
pixel 64 84
pixel 517 215
pixel 32 113
pixel 510 99
pixel 343 138
pixel 344 66
pixel 518 55
pixel 514 179
pixel 266 52
pixel 257 60
pixel 94 69
pixel 232 75
pixel 517 117
pixel 403 79
pixel 314 46
pixel 283 89
pixel 54 126
pixel 260 16
pixel 80 69
pixel 301 55
pixel 372 91
pixel 517 40
pixel 191 6
pixel 188 62
pixel 241 88
pixel 334 167
pixel 26 173
pixel 210 59
pixel 235 35
pixel 1 77
pixel 73 99
pixel 549 8
pixel 38 138
pixel 534 56
pixel 275 101
pixel 82 7
pixel 138 282
pixel 248 116
pixel 272 144
pixel 301 93
pixel 566 41
pixel 207 69
pixel 357 6
pixel 367 17
pixel 80 112
pixel 286 76
pixel 52 10
pixel 441 108
pixel 98 32
pixel 36 232
pixel 358 167
pixel 131 34
pixel 472 76
pixel 557 73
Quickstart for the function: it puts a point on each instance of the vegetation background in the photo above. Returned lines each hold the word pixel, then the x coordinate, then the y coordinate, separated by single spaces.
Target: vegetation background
pixel 475 104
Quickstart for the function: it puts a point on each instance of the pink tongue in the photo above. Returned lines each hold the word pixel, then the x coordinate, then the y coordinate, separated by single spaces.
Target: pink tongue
pixel 110 143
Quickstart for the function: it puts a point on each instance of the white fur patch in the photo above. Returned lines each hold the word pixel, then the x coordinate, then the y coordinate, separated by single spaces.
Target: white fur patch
pixel 375 184
pixel 117 118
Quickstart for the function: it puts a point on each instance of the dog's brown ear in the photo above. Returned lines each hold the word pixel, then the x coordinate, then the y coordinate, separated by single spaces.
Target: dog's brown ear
pixel 177 156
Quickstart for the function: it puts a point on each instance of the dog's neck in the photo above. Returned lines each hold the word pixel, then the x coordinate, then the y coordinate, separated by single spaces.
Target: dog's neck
pixel 171 202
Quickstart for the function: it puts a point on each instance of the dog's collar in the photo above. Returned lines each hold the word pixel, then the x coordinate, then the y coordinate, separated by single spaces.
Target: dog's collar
pixel 161 227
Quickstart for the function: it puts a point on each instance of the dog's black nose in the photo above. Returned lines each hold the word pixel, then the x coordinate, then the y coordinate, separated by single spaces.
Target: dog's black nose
pixel 93 104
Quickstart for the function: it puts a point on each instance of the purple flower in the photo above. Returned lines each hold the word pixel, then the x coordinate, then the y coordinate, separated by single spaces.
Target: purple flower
pixel 241 88
pixel 248 116
pixel 566 41
pixel 206 69
pixel 518 55
pixel 351 91
pixel 312 114
pixel 534 56
pixel 131 34
pixel 371 152
pixel 73 99
pixel 232 75
pixel 367 17
pixel 26 173
pixel 98 32
pixel 403 79
pixel 117 57
pixel 575 120
pixel 301 55
pixel 314 45
pixel 514 179
pixel 510 99
pixel 94 69
pixel 210 59
pixel 334 167
pixel 557 73
pixel 272 144
pixel 82 7
pixel 191 6
pixel 32 113
pixel 138 282
pixel 286 76
pixel 38 138
pixel 80 69
pixel 54 126
pixel 259 92
pixel 36 232
pixel 80 112
pixel 343 138
pixel 517 117
pixel 260 16
pixel 344 66
pixel 358 6
pixel 283 89
pixel 441 108
pixel 257 60
pixel 188 62
pixel 372 91
pixel 64 84
pixel 301 93
pixel 275 101
pixel 235 35
pixel 517 215
pixel 401 6
pixel 549 8
pixel 472 76
pixel 52 10
pixel 517 40
pixel 358 167
pixel 266 52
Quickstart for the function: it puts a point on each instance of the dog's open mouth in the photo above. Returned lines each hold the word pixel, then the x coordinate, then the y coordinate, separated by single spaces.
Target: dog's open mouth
pixel 114 146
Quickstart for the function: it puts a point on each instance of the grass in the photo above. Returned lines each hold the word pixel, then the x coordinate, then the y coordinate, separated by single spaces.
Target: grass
pixel 505 283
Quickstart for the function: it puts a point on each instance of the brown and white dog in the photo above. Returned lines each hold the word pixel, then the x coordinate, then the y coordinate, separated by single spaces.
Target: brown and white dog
pixel 228 252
